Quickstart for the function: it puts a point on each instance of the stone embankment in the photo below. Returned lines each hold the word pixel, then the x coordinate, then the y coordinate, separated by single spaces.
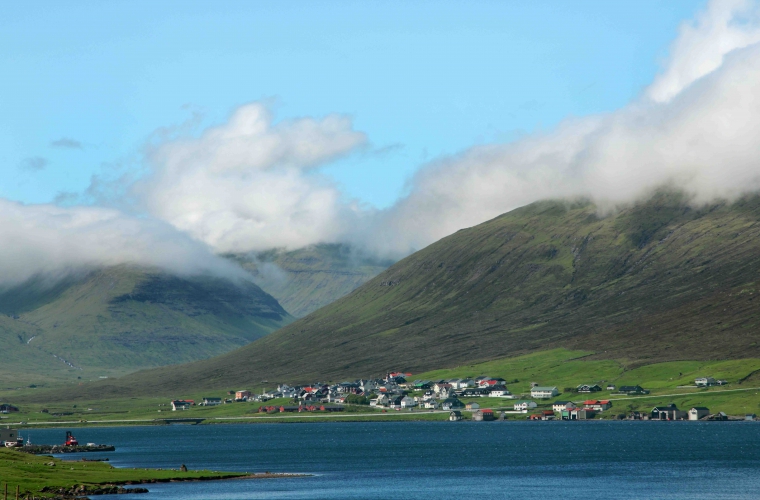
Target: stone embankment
pixel 48 449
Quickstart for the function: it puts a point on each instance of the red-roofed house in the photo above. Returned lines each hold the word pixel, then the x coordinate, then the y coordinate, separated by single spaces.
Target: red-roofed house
pixel 593 404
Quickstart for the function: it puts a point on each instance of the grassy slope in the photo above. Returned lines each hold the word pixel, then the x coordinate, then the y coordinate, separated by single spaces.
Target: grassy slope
pixel 118 320
pixel 307 279
pixel 657 282
pixel 32 473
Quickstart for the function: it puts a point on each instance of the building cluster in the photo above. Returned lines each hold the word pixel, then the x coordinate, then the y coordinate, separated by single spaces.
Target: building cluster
pixel 395 391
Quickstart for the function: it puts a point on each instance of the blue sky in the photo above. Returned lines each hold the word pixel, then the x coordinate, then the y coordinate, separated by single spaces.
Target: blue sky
pixel 422 80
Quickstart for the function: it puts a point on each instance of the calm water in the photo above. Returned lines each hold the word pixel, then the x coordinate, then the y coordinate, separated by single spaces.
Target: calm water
pixel 589 460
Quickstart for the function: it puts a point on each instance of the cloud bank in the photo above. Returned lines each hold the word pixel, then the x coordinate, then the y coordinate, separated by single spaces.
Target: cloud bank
pixel 53 241
pixel 253 183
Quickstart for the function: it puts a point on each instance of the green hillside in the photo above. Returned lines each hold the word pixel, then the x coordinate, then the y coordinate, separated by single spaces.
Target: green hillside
pixel 118 320
pixel 657 282
pixel 307 279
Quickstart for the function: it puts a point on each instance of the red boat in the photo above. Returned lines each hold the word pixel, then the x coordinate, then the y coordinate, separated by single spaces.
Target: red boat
pixel 70 440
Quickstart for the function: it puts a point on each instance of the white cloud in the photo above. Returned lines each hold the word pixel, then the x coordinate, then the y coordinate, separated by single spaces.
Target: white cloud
pixel 49 240
pixel 725 25
pixel 251 184
pixel 704 141
pixel 254 184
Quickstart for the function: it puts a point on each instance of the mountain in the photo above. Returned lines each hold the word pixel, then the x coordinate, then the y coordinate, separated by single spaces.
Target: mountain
pixel 659 281
pixel 307 279
pixel 117 320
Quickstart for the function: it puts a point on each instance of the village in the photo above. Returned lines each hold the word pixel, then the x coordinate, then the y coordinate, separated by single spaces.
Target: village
pixel 395 392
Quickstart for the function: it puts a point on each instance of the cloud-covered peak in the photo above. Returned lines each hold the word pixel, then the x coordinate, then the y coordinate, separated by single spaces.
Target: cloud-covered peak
pixel 50 240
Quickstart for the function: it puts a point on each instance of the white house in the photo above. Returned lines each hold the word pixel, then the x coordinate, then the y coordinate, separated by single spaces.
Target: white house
pixel 407 402
pixel 704 381
pixel 524 405
pixel 540 392
pixel 465 383
pixel 500 393
pixel 430 404
pixel 180 405
pixel 698 412
pixel 560 406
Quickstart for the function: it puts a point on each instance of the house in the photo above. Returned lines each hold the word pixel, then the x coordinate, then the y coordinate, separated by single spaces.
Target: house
pixel 441 387
pixel 669 412
pixel 466 382
pixel 632 390
pixel 584 414
pixel 6 408
pixel 493 382
pixel 8 434
pixel 704 382
pixel 395 403
pixel 483 416
pixel 500 393
pixel 473 393
pixel 750 417
pixel 611 387
pixel 472 406
pixel 524 405
pixel 455 416
pixel 242 395
pixel 588 388
pixel 452 404
pixel 698 412
pixel 430 404
pixel 211 401
pixel 547 415
pixel 381 400
pixel 560 406
pixel 407 402
pixel 541 392
pixel 593 404
pixel 179 404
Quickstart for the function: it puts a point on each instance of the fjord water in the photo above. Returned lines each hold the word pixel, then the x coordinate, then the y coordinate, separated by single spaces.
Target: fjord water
pixel 383 460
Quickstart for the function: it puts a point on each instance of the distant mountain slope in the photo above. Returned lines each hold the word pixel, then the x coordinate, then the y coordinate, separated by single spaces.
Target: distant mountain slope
pixel 117 320
pixel 657 282
pixel 307 279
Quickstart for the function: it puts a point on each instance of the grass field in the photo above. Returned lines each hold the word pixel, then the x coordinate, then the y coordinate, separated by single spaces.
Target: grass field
pixel 33 473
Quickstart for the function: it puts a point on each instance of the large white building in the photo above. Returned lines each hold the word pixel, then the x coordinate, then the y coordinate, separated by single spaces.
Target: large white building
pixel 539 392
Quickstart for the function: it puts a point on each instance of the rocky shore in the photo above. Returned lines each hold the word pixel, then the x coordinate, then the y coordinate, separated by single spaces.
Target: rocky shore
pixel 83 491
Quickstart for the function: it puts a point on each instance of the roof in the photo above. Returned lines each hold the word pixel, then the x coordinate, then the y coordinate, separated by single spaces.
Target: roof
pixel 700 408
pixel 537 388
pixel 561 402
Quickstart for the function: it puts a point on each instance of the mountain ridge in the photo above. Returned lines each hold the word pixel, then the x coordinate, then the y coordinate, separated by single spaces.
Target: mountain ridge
pixel 115 320
pixel 660 281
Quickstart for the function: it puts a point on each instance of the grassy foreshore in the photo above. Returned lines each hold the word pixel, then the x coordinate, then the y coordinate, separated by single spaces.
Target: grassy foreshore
pixel 46 477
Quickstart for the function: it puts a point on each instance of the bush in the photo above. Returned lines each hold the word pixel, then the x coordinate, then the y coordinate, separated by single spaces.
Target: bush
pixel 355 399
